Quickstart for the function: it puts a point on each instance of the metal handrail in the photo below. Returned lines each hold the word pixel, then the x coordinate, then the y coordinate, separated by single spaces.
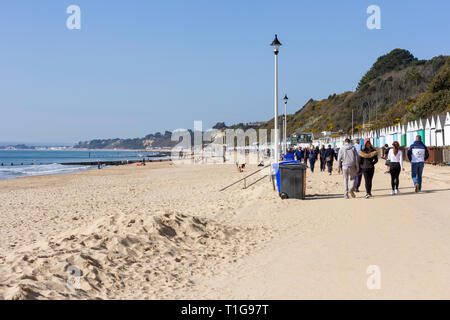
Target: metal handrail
pixel 244 179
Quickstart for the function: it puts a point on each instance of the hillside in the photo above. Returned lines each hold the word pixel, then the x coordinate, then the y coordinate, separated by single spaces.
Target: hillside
pixel 397 88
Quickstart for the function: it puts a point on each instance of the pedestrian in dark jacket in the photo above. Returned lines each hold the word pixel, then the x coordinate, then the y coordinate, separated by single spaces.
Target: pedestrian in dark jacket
pixel 368 157
pixel 322 158
pixel 384 155
pixel 298 154
pixel 313 155
pixel 417 154
pixel 330 156
pixel 306 155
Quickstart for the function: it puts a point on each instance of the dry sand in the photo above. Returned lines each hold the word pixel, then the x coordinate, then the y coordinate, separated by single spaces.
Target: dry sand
pixel 165 231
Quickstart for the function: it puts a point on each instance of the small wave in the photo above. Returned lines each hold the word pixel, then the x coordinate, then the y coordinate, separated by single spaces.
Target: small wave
pixel 38 170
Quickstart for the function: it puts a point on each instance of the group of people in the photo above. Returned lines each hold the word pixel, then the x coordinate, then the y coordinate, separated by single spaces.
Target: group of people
pixel 355 162
pixel 326 157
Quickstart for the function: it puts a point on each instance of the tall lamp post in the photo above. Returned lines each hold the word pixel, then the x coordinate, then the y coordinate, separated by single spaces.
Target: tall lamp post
pixel 276 44
pixel 285 123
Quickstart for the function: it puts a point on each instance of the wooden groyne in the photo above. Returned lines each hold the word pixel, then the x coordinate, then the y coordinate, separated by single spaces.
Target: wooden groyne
pixel 111 163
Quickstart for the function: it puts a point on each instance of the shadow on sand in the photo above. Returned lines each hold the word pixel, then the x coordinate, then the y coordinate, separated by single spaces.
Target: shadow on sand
pixel 388 194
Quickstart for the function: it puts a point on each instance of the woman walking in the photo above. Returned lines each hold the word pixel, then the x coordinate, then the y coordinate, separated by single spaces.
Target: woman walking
pixel 368 157
pixel 395 158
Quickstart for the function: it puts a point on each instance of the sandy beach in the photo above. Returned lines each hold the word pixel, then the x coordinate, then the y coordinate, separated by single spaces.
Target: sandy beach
pixel 164 231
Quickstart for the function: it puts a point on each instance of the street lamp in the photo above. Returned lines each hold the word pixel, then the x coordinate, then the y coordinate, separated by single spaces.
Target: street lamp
pixel 276 44
pixel 285 122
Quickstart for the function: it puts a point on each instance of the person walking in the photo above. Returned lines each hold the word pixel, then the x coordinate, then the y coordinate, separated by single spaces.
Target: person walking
pixel 348 164
pixel 368 157
pixel 306 155
pixel 313 154
pixel 322 158
pixel 330 156
pixel 395 158
pixel 357 146
pixel 298 154
pixel 417 154
pixel 385 152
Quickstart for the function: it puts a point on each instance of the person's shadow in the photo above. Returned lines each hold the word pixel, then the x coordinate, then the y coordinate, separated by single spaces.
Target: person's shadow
pixel 337 196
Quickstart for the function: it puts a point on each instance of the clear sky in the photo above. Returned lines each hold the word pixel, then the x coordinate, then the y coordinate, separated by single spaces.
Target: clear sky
pixel 138 67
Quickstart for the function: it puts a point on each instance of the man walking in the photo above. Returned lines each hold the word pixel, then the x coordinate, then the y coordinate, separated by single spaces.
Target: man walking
pixel 359 173
pixel 330 156
pixel 349 165
pixel 417 154
pixel 322 158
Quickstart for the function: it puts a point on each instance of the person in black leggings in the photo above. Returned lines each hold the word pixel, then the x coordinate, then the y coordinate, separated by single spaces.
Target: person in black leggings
pixel 395 158
pixel 368 157
pixel 395 170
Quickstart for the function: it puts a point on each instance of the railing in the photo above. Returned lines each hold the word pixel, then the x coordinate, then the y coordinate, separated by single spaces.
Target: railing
pixel 245 179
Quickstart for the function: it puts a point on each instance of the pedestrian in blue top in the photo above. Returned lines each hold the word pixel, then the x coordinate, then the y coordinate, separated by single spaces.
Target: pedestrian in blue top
pixel 298 154
pixel 417 154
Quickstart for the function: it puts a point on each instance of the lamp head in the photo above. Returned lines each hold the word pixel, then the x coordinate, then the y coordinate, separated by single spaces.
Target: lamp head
pixel 276 44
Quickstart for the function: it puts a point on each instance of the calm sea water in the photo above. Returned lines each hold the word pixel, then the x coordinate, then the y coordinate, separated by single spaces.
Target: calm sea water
pixel 34 162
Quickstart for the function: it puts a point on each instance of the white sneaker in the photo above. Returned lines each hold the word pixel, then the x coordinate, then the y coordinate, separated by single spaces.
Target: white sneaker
pixel 397 191
pixel 393 192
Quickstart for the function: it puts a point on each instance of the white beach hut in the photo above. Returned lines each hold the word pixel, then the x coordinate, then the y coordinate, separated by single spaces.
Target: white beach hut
pixel 427 133
pixel 415 130
pixel 409 133
pixel 432 132
pixel 382 137
pixel 387 133
pixel 440 123
pixel 447 130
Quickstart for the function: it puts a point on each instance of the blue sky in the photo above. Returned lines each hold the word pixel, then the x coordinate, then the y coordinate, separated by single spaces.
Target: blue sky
pixel 137 67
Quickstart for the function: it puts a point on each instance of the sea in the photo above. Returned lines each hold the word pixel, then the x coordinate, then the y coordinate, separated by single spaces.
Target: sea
pixel 24 163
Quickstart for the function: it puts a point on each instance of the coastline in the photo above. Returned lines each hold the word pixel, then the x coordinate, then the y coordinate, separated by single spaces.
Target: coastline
pixel 164 231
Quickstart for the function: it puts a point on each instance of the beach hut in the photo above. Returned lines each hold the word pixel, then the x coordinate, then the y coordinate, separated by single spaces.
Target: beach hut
pixel 447 130
pixel 395 134
pixel 427 140
pixel 383 137
pixel 391 135
pixel 421 129
pixel 403 135
pixel 372 137
pixel 377 138
pixel 432 132
pixel 415 130
pixel 440 123
pixel 409 133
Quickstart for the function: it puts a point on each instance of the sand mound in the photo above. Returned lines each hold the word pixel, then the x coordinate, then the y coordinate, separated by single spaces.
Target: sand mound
pixel 123 257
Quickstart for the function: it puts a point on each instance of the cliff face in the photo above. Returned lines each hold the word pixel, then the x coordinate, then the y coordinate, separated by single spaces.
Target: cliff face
pixel 156 140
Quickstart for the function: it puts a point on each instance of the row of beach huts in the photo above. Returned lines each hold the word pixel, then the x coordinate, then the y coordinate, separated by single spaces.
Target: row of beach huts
pixel 435 132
